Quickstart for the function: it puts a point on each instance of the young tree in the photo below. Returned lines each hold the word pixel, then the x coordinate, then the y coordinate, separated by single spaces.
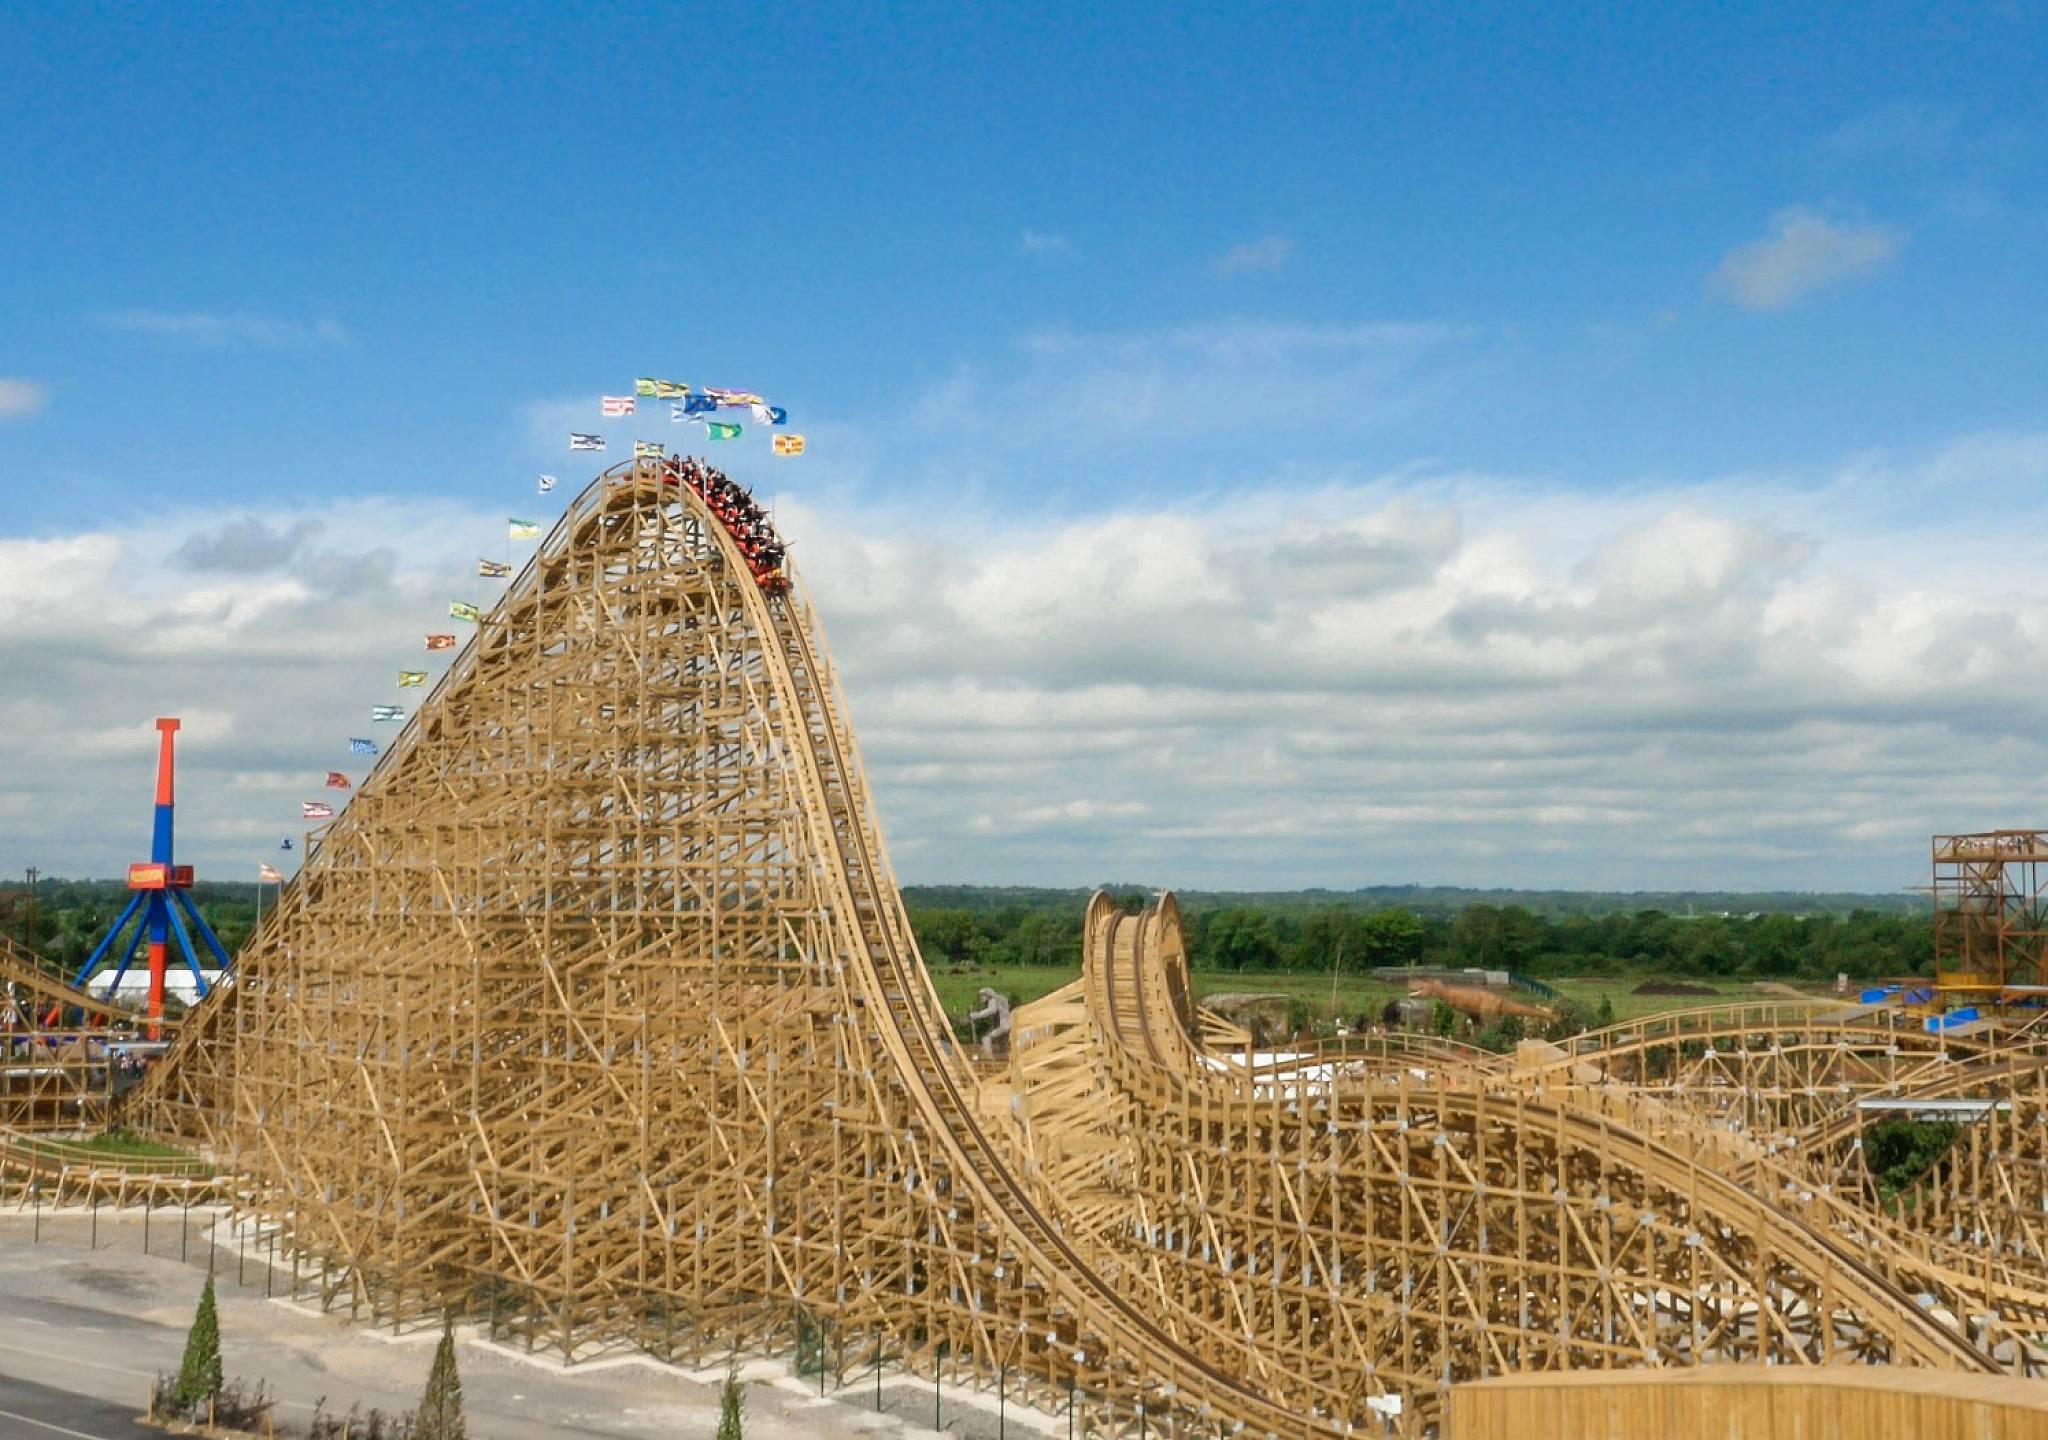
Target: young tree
pixel 440 1413
pixel 732 1404
pixel 199 1374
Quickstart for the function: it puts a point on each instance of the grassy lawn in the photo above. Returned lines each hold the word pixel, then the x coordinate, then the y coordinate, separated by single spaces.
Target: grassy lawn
pixel 959 985
pixel 120 1142
pixel 114 1144
pixel 1354 994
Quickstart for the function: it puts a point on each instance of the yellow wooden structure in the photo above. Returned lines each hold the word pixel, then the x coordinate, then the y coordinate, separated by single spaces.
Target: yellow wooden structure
pixel 596 1016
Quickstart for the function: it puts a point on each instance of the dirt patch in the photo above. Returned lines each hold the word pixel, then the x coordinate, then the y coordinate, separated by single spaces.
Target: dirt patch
pixel 1672 987
pixel 108 1282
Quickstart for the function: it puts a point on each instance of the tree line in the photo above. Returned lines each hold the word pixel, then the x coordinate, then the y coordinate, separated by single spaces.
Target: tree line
pixel 69 917
pixel 1306 931
pixel 1864 944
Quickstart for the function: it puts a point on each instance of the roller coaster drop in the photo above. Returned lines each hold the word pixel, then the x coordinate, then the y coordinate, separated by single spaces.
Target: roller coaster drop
pixel 596 1014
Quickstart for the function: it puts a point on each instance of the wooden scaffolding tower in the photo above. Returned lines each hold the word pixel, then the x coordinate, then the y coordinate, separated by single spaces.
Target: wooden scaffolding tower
pixel 1991 916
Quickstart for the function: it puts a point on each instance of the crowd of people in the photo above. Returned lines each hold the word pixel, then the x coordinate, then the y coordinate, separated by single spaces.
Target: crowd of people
pixel 742 516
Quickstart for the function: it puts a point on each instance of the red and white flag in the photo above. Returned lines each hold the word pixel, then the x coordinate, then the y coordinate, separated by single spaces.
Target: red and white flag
pixel 618 405
pixel 336 780
pixel 315 810
pixel 267 875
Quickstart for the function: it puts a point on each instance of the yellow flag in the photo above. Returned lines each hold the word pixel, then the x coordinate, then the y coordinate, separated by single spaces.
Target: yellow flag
pixel 786 444
pixel 408 679
pixel 643 385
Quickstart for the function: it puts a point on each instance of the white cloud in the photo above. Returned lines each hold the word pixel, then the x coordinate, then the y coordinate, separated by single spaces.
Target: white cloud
pixel 265 637
pixel 1085 387
pixel 1804 251
pixel 1268 252
pixel 1780 681
pixel 1044 242
pixel 1747 683
pixel 21 398
pixel 235 329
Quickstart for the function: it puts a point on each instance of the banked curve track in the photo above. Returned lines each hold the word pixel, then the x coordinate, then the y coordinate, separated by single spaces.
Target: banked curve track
pixel 1147 1035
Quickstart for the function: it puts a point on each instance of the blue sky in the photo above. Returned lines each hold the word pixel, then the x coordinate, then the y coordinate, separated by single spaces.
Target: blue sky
pixel 1026 275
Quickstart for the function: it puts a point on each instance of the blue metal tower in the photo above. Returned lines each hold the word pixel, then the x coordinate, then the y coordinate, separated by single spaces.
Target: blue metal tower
pixel 159 885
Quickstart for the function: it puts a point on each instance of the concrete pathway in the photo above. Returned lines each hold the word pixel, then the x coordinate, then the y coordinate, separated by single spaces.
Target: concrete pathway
pixel 84 1331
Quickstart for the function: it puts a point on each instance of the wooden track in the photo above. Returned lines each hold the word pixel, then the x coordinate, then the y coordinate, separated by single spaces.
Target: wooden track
pixel 597 1014
pixel 56 1073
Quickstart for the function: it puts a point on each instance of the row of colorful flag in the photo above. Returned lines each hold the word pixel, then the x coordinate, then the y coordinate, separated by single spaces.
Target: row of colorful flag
pixel 515 529
pixel 689 407
pixel 655 450
pixel 681 411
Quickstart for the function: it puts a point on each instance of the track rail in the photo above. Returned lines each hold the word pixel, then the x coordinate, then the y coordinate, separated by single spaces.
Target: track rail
pixel 1130 964
pixel 936 1081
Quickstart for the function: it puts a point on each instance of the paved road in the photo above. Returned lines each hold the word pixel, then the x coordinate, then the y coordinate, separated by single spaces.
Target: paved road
pixel 29 1411
pixel 84 1332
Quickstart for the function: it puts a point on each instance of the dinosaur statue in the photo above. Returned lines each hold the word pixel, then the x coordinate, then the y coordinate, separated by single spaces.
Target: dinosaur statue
pixel 1486 1006
pixel 993 1007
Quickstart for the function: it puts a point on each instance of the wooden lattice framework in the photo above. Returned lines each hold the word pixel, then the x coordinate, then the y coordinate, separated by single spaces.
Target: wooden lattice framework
pixel 60 1049
pixel 596 1015
pixel 1991 916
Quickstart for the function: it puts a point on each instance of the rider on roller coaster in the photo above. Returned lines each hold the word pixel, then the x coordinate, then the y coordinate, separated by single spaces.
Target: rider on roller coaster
pixel 743 519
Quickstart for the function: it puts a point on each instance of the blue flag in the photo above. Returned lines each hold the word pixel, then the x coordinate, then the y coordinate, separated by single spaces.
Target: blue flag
pixel 285 844
pixel 361 747
pixel 698 404
pixel 777 415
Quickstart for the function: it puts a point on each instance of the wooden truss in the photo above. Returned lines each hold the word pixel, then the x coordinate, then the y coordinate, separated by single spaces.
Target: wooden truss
pixel 61 1050
pixel 596 1016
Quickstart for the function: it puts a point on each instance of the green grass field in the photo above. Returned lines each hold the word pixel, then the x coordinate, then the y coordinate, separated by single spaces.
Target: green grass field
pixel 114 1148
pixel 121 1143
pixel 1353 994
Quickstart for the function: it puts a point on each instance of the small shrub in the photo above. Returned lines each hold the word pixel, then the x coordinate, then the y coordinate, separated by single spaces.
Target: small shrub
pixel 235 1406
pixel 732 1405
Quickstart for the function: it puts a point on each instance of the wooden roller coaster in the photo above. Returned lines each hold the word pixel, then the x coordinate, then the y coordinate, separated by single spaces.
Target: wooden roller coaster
pixel 596 1016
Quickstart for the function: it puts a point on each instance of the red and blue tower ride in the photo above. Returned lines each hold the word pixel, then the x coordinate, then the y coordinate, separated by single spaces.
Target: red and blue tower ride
pixel 160 887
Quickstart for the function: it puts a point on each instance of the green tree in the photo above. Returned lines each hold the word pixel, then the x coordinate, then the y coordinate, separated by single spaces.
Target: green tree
pixel 199 1374
pixel 1604 1016
pixel 732 1405
pixel 1241 939
pixel 1496 937
pixel 1443 1019
pixel 440 1412
pixel 1388 937
pixel 1501 1036
pixel 947 934
pixel 1899 1152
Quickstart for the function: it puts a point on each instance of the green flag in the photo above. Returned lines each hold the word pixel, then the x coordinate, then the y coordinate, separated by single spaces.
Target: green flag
pixel 721 431
pixel 463 610
pixel 644 385
pixel 522 529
